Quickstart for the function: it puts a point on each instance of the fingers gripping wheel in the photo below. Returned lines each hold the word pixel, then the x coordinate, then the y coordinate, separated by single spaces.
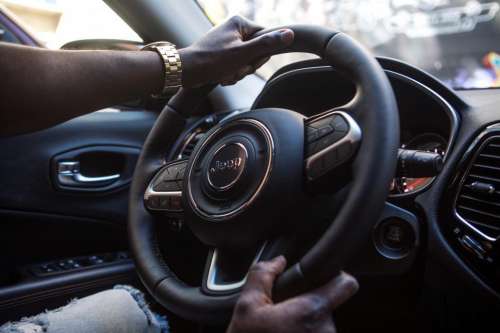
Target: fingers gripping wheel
pixel 244 184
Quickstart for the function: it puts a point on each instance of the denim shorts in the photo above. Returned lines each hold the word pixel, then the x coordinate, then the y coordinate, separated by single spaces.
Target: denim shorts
pixel 122 309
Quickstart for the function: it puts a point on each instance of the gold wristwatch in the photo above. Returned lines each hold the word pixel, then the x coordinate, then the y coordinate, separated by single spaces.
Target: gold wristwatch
pixel 172 65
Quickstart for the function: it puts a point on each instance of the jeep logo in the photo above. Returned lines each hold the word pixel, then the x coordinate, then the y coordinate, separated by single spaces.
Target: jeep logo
pixel 227 165
pixel 232 164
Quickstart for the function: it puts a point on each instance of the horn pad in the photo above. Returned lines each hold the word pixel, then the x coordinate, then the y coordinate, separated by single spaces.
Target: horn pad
pixel 244 175
pixel 229 169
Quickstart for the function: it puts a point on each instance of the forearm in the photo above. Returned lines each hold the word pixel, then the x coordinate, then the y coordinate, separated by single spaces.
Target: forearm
pixel 41 88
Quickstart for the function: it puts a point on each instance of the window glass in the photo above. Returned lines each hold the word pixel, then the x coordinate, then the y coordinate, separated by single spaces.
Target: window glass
pixel 455 40
pixel 6 35
pixel 57 22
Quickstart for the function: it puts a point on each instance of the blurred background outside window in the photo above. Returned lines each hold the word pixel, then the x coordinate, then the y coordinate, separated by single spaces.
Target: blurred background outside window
pixel 56 22
pixel 455 40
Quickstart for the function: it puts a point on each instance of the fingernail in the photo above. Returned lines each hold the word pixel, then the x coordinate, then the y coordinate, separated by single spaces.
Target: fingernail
pixel 350 282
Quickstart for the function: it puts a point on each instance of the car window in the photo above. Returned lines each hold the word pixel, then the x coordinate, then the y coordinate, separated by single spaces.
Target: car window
pixel 455 40
pixel 57 22
pixel 6 35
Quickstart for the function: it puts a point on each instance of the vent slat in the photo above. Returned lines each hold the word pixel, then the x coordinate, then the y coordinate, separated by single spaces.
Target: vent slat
pixel 484 201
pixel 189 147
pixel 477 211
pixel 478 201
pixel 495 157
pixel 490 179
pixel 483 225
pixel 488 167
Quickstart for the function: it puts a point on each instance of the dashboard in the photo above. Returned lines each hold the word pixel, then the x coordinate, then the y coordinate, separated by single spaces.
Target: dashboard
pixel 428 123
pixel 456 225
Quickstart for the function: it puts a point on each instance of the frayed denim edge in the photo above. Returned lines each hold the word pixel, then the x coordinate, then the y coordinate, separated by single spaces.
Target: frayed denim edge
pixel 15 327
pixel 40 320
pixel 138 296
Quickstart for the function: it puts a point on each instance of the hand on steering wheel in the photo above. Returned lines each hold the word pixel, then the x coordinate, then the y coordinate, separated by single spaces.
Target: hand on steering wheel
pixel 228 53
pixel 309 312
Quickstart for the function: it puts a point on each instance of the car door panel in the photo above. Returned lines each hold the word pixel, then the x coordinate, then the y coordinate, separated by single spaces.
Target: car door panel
pixel 44 221
pixel 26 173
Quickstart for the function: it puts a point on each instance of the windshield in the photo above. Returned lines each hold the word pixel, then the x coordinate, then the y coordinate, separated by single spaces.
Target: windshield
pixel 457 41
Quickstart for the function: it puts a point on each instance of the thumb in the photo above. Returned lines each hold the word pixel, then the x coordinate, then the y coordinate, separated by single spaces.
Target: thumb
pixel 261 276
pixel 337 291
pixel 269 43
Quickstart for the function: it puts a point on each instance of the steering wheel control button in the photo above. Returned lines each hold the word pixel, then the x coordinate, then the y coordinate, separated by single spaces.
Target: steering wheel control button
pixel 164 202
pixel 322 133
pixel 169 202
pixel 311 134
pixel 175 204
pixel 322 122
pixel 227 166
pixel 167 186
pixel 153 202
pixel 329 140
pixel 325 131
pixel 164 193
pixel 334 148
pixel 394 238
pixel 340 124
pixel 170 178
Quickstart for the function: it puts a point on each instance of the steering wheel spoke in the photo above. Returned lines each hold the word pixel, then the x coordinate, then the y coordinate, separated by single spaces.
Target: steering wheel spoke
pixel 164 192
pixel 330 140
pixel 226 270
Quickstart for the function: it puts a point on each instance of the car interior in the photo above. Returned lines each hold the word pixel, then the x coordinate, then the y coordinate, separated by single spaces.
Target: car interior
pixel 133 195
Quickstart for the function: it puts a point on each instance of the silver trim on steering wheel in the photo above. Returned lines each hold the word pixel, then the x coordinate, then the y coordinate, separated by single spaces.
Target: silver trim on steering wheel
pixel 212 273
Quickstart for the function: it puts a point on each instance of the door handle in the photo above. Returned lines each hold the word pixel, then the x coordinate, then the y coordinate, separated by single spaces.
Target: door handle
pixel 68 174
pixel 94 169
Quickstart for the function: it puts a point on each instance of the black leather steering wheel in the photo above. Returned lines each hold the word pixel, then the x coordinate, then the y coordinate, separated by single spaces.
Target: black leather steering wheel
pixel 245 183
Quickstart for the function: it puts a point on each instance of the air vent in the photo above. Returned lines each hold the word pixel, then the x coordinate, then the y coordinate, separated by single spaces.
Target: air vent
pixel 478 200
pixel 189 144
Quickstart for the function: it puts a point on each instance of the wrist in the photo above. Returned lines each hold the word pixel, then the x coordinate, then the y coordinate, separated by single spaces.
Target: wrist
pixel 155 72
pixel 172 67
pixel 186 56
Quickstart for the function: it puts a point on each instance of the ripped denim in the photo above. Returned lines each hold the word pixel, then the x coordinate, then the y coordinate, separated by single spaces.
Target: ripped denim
pixel 119 310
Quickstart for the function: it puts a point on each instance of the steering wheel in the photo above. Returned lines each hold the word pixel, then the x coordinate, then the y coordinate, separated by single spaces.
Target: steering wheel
pixel 246 184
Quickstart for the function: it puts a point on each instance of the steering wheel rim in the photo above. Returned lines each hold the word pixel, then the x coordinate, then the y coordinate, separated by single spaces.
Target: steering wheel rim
pixel 376 157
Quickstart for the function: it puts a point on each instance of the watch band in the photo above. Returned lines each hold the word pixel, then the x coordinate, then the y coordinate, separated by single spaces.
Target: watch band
pixel 172 65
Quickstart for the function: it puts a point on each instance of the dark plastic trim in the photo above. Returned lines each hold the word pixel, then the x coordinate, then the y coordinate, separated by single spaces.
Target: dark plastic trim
pixel 64 284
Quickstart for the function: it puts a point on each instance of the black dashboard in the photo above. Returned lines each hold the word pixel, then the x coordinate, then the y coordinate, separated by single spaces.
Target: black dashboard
pixel 427 121
pixel 457 213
